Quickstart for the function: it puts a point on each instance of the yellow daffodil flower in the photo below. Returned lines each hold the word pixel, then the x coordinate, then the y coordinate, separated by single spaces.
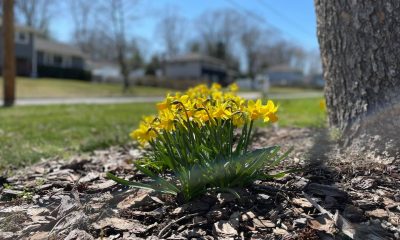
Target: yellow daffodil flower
pixel 202 105
pixel 143 134
pixel 167 120
pixel 255 109
pixel 233 87
pixel 216 86
pixel 220 112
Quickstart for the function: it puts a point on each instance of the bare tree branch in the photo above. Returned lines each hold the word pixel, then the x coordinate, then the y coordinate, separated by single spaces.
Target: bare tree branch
pixel 171 30
pixel 35 13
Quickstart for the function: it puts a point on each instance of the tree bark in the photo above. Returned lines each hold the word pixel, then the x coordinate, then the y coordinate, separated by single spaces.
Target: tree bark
pixel 360 51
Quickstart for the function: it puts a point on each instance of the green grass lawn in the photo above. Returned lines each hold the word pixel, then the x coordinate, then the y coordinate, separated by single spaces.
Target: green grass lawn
pixel 28 133
pixel 287 90
pixel 66 88
pixel 301 113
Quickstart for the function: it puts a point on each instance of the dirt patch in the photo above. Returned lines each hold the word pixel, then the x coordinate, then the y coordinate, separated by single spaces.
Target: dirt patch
pixel 332 197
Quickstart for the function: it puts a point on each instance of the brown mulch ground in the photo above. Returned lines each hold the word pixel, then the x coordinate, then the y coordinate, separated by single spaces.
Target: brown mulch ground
pixel 334 197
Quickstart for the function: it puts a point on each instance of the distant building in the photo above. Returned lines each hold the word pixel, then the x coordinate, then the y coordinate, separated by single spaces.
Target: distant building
pixel 196 67
pixel 260 83
pixel 317 80
pixel 137 74
pixel 40 57
pixel 105 71
pixel 283 75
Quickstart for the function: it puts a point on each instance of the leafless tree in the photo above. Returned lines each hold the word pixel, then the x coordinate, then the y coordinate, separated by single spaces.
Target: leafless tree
pixel 193 46
pixel 88 34
pixel 100 30
pixel 278 53
pixel 117 9
pixel 282 52
pixel 35 13
pixel 115 17
pixel 298 57
pixel 83 13
pixel 136 52
pixel 314 65
pixel 171 31
pixel 208 32
pixel 218 32
pixel 252 40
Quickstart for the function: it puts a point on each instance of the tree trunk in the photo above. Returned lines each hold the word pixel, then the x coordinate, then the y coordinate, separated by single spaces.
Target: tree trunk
pixel 124 68
pixel 360 51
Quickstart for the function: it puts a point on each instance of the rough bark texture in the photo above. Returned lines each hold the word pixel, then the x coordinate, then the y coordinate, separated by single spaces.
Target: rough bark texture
pixel 360 51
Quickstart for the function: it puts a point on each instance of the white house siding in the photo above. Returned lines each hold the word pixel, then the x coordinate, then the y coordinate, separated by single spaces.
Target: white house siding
pixel 107 74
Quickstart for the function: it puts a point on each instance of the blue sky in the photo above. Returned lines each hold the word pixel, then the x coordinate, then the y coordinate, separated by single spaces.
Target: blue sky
pixel 295 19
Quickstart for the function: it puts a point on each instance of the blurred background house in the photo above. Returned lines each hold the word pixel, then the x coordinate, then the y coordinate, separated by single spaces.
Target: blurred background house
pixel 196 67
pixel 59 60
pixel 315 80
pixel 284 75
pixel 37 56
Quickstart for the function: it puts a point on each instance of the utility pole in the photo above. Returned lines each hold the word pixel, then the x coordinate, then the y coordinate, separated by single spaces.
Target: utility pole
pixel 9 53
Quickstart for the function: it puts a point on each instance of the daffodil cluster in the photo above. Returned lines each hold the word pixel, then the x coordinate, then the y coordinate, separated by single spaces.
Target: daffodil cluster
pixel 203 106
pixel 202 136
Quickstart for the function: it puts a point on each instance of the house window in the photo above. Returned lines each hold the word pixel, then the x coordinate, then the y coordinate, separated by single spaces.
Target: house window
pixel 57 60
pixel 47 59
pixel 21 37
pixel 67 62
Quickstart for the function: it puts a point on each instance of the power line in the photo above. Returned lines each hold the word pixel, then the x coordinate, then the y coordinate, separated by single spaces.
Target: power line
pixel 285 18
pixel 257 18
pixel 250 14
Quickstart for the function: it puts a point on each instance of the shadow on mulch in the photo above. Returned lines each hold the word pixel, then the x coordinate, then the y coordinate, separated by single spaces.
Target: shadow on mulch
pixel 317 166
pixel 325 168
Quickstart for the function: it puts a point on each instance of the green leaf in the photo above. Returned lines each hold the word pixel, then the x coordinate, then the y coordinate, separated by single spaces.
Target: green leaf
pixel 138 185
pixel 280 174
pixel 167 186
pixel 283 157
pixel 230 190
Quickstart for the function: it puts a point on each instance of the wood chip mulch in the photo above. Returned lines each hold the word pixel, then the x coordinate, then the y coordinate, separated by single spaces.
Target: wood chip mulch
pixel 332 197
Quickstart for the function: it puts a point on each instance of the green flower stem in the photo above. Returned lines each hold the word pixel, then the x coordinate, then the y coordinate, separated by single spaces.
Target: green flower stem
pixel 248 136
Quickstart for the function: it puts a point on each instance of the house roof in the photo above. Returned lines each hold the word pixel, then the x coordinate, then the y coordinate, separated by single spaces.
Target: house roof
pixel 193 57
pixel 46 45
pixel 24 28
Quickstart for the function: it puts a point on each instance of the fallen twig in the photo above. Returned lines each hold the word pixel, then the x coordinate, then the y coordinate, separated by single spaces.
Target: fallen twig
pixel 340 222
pixel 166 228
